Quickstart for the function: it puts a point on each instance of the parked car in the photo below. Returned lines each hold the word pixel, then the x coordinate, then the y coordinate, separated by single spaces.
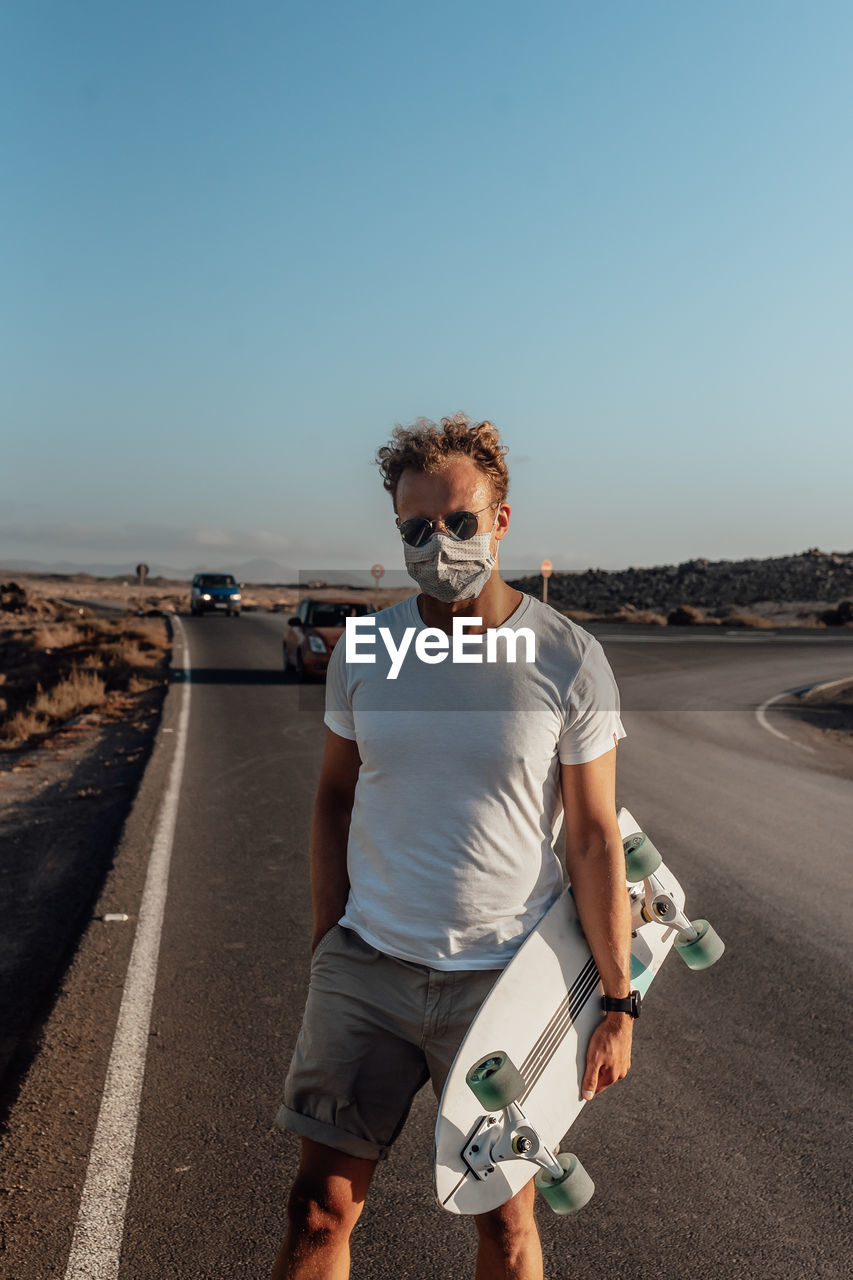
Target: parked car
pixel 215 592
pixel 314 630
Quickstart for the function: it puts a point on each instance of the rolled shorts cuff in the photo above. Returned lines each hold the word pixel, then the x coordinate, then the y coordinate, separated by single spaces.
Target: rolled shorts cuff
pixel 338 1139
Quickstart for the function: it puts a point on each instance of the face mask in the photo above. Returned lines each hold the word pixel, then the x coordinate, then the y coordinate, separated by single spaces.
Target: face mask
pixel 450 570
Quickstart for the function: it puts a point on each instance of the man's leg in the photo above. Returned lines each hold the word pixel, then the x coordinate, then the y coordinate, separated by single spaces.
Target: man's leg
pixel 509 1241
pixel 324 1206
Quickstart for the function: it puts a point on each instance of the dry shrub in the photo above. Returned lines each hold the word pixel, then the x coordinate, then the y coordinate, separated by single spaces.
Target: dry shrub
pixel 687 615
pixel 840 617
pixel 60 668
pixel 625 613
pixel 146 653
pixel 56 635
pixel 173 604
pixel 127 654
pixel 22 726
pixel 151 635
pixel 123 660
pixel 747 620
pixel 648 617
pixel 98 629
pixel 79 691
pixel 137 684
pixel 806 619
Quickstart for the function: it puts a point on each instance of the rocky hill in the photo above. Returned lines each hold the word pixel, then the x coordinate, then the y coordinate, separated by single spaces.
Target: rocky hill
pixel 815 578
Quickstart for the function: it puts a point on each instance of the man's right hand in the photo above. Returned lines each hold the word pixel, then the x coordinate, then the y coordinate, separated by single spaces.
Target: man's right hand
pixel 608 1058
pixel 330 831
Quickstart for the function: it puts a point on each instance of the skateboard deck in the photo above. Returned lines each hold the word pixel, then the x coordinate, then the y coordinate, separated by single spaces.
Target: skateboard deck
pixel 540 1014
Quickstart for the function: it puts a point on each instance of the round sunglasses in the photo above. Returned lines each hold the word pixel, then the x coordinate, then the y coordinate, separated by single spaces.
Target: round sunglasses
pixel 461 525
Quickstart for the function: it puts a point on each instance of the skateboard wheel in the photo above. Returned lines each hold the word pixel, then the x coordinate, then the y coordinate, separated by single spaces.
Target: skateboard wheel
pixel 495 1081
pixel 572 1191
pixel 641 857
pixel 703 951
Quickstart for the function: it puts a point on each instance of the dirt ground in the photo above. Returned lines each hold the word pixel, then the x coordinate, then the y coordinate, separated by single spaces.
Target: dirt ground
pixel 80 705
pixel 62 806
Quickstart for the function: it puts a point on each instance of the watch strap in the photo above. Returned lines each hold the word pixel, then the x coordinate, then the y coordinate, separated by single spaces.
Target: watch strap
pixel 630 1004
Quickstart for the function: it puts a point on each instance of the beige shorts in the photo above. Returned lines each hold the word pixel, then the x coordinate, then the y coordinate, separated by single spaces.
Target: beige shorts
pixel 375 1029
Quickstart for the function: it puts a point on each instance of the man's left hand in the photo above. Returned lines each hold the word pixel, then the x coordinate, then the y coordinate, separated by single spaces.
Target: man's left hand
pixel 608 1057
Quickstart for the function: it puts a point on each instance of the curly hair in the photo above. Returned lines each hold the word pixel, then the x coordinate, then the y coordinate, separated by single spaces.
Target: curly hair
pixel 427 447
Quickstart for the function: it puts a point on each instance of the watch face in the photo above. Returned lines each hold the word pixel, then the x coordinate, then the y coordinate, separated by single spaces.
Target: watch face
pixel 636 1003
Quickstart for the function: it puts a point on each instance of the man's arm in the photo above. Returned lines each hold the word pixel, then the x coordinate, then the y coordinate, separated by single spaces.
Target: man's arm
pixel 330 832
pixel 595 862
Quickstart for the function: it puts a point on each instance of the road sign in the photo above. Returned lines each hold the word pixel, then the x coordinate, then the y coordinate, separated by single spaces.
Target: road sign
pixel 545 569
pixel 377 570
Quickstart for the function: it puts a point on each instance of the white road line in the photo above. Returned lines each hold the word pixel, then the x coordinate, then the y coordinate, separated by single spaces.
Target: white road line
pixel 96 1247
pixel 761 717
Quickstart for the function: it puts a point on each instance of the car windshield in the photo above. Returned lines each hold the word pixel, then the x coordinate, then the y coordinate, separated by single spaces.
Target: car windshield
pixel 215 580
pixel 333 613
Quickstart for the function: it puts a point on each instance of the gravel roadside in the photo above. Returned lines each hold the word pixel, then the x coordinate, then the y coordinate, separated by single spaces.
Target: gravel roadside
pixel 62 807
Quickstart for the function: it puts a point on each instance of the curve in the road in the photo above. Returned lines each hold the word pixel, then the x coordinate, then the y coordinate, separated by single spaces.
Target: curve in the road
pixel 761 717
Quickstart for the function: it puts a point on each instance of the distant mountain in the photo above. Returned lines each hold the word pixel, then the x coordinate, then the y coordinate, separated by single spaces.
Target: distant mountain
pixel 255 571
pixel 66 567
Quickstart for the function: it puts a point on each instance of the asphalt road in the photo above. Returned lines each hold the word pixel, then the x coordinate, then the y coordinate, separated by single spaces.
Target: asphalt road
pixel 722 1153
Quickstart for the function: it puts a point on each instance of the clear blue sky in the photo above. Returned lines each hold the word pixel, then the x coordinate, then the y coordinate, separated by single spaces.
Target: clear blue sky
pixel 241 241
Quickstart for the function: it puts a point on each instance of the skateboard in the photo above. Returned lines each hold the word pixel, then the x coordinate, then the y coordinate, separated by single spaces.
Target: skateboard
pixel 514 1088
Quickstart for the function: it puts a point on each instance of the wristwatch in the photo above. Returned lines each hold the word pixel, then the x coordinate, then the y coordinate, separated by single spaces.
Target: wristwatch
pixel 632 1004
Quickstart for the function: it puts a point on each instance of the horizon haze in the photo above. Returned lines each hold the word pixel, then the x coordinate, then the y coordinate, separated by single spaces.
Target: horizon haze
pixel 269 572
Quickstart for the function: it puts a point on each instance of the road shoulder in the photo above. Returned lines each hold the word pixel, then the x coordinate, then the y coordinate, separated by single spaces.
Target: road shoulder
pixel 52 1111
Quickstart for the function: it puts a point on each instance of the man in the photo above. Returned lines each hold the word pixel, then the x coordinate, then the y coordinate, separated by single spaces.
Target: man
pixel 432 850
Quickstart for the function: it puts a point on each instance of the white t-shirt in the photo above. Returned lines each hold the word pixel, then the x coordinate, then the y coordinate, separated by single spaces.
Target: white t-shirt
pixel 451 855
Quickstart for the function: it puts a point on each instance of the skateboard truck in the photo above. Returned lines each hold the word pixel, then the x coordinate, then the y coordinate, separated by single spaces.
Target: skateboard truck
pixel 504 1134
pixel 650 899
pixel 507 1137
pixel 660 907
pixel 698 943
